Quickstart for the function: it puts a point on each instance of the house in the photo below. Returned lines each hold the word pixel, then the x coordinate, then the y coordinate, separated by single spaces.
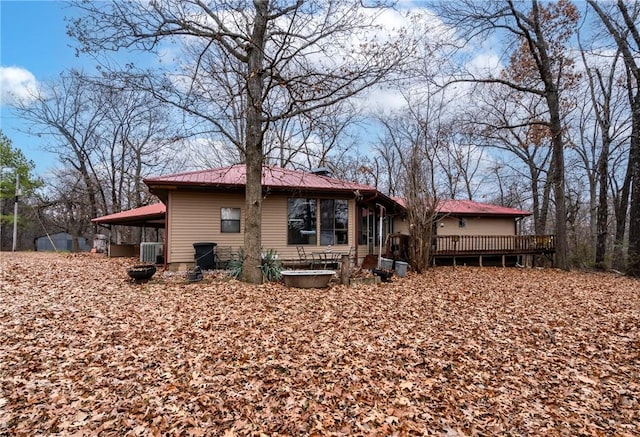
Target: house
pixel 314 212
pixel 300 210
pixel 466 230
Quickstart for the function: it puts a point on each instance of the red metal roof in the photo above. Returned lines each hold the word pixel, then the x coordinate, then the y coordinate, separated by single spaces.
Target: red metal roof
pixel 272 177
pixel 150 215
pixel 469 207
pixel 284 179
pixel 477 208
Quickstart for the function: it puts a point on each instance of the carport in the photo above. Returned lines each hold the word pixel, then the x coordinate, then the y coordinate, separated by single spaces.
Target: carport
pixel 149 216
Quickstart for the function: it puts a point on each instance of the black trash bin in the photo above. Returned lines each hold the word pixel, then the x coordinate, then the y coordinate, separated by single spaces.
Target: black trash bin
pixel 205 255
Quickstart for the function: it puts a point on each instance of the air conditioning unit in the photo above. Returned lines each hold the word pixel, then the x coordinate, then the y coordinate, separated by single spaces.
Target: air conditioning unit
pixel 149 252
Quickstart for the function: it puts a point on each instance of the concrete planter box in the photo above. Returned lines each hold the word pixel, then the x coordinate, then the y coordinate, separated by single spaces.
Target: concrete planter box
pixel 371 280
pixel 307 278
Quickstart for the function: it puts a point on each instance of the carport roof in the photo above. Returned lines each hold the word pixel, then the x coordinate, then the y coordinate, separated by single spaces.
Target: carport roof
pixel 150 216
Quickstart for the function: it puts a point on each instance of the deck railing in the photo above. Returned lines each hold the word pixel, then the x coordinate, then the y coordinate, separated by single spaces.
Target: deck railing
pixel 449 245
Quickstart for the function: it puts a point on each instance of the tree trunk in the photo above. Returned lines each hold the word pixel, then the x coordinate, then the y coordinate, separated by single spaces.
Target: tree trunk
pixel 634 209
pixel 421 208
pixel 552 96
pixel 603 204
pixel 628 25
pixel 539 216
pixel 561 258
pixel 251 271
pixel 621 203
pixel 89 185
pixel 75 242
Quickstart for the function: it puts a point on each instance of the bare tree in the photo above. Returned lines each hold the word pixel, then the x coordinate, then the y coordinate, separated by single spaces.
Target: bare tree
pixel 410 144
pixel 401 132
pixel 70 114
pixel 422 202
pixel 603 126
pixel 387 160
pixel 360 168
pixel 136 138
pixel 620 182
pixel 538 65
pixel 621 21
pixel 318 138
pixel 459 161
pixel 513 190
pixel 287 59
pixel 107 137
pixel 65 206
pixel 505 120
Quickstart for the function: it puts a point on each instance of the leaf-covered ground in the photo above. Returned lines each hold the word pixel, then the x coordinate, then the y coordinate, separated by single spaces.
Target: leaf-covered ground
pixel 470 351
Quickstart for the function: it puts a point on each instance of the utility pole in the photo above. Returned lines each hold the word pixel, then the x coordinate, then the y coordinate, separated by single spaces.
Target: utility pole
pixel 15 212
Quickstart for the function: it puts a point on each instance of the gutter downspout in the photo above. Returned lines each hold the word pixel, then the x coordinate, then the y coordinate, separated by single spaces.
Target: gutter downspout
pixel 166 233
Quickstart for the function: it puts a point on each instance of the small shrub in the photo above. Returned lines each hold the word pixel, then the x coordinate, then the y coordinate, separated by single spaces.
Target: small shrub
pixel 271 266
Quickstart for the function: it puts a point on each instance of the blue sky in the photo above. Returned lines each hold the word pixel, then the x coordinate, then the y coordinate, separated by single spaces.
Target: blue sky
pixel 32 38
pixel 34 47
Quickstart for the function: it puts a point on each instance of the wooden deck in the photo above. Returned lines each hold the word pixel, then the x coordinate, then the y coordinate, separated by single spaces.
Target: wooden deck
pixel 474 245
pixel 481 246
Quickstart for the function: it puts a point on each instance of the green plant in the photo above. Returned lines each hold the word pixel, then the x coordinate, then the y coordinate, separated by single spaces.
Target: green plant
pixel 270 266
pixel 235 265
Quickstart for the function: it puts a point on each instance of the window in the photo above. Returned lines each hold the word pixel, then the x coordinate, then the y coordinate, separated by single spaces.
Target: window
pixel 462 222
pixel 301 216
pixel 334 219
pixel 229 220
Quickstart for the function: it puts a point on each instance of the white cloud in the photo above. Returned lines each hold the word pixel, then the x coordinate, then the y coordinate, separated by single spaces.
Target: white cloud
pixel 485 64
pixel 16 84
pixel 381 99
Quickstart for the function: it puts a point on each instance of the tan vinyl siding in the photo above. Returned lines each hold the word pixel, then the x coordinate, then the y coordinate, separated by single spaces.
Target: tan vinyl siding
pixel 400 225
pixel 474 226
pixel 477 226
pixel 274 226
pixel 485 226
pixel 195 217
